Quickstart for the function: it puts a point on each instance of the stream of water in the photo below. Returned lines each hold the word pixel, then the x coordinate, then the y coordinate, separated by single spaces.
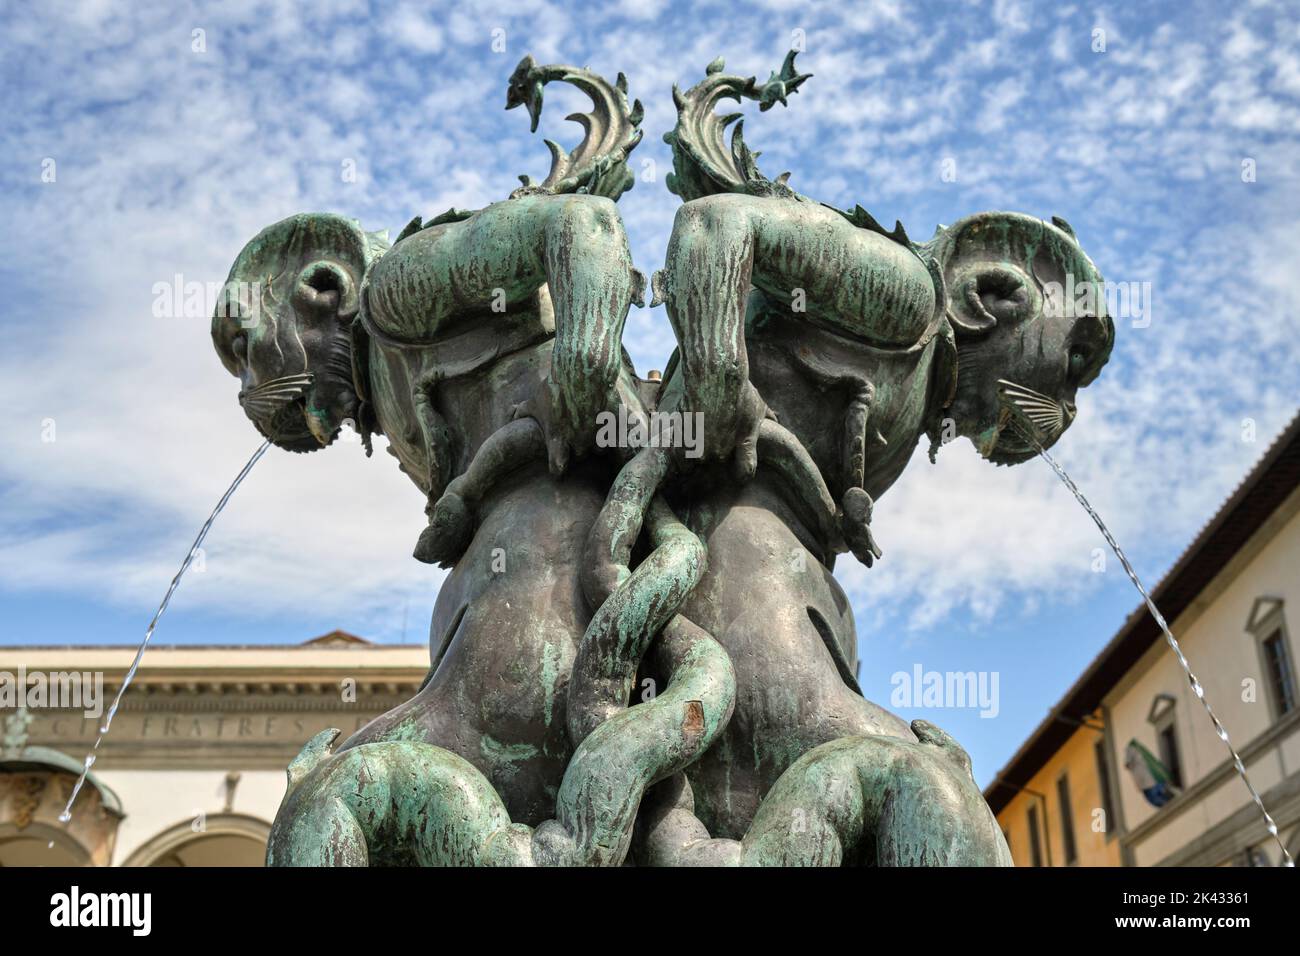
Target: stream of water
pixel 89 762
pixel 1172 641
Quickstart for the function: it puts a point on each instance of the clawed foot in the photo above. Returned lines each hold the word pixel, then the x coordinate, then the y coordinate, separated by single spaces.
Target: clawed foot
pixel 855 523
pixel 753 412
pixel 730 435
pixel 448 533
pixel 566 438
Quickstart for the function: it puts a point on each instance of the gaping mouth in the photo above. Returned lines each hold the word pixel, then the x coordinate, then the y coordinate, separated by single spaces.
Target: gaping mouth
pixel 277 408
pixel 1027 420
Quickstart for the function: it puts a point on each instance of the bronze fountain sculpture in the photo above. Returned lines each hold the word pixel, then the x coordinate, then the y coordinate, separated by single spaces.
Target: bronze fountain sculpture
pixel 640 653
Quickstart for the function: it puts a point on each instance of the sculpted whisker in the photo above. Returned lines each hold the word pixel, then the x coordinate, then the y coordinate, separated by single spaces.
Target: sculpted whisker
pixel 300 381
pixel 274 398
pixel 1047 417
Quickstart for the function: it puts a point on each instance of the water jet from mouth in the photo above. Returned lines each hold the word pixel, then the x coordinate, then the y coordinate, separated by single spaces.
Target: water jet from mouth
pixel 1026 428
pixel 66 815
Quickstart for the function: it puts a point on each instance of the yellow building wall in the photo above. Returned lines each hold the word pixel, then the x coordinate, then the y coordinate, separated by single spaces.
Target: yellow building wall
pixel 1224 654
pixel 1094 846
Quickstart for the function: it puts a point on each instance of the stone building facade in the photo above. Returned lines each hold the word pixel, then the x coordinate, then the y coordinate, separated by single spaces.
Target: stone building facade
pixel 193 768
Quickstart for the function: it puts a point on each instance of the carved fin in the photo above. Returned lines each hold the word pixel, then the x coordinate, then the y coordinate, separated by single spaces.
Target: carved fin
pixel 312 753
pixel 1064 226
pixel 411 228
pixel 864 220
pixel 418 225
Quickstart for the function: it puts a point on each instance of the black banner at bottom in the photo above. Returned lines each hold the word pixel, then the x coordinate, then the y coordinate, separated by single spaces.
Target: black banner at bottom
pixel 385 906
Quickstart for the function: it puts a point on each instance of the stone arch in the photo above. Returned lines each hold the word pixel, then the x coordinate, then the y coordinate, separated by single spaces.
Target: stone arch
pixel 227 839
pixel 41 844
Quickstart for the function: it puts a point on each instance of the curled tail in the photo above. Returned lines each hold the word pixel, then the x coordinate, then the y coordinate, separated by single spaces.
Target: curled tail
pixel 874 801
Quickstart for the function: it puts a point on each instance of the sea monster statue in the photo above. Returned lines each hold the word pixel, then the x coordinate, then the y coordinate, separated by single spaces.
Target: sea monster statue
pixel 639 655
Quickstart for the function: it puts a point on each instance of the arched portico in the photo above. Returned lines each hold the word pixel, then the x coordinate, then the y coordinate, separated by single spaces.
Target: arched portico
pixel 222 839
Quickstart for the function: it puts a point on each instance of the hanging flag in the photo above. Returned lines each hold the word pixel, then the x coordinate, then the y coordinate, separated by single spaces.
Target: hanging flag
pixel 1151 776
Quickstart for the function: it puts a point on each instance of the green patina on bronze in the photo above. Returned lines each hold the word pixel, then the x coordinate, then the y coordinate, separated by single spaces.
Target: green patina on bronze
pixel 640 653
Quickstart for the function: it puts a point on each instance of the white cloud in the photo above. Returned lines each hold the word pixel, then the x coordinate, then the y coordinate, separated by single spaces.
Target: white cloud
pixel 1012 15
pixel 408 27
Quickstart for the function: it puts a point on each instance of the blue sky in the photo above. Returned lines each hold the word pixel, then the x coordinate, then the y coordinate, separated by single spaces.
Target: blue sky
pixel 169 153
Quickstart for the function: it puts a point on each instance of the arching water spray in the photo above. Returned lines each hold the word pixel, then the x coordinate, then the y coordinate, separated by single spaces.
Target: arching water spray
pixel 89 762
pixel 1027 429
